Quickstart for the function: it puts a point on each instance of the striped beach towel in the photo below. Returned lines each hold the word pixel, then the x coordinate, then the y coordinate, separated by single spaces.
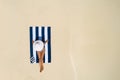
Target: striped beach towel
pixel 45 34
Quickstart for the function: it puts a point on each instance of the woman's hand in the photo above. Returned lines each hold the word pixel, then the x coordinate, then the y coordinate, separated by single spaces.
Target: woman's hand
pixel 46 41
pixel 32 41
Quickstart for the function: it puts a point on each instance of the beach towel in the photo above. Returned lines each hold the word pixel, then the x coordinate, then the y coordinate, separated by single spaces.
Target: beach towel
pixel 42 33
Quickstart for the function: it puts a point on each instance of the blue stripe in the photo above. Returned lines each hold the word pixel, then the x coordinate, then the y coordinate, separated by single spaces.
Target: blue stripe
pixel 37 35
pixel 49 44
pixel 31 45
pixel 43 38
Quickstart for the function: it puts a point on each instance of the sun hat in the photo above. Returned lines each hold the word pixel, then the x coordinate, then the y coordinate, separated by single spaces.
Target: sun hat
pixel 38 45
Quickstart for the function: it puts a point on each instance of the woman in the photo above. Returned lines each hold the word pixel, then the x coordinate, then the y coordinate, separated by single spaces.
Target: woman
pixel 39 46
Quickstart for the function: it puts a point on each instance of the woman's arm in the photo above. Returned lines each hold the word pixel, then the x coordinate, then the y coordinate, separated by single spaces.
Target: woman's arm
pixel 33 41
pixel 46 41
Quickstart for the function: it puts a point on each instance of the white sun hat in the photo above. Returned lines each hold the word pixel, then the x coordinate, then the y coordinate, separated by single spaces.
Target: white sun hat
pixel 38 45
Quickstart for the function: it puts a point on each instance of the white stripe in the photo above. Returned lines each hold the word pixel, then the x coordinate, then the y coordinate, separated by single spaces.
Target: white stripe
pixel 46 46
pixel 34 37
pixel 40 32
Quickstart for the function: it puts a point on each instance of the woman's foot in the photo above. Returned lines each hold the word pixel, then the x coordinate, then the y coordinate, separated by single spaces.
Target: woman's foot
pixel 41 68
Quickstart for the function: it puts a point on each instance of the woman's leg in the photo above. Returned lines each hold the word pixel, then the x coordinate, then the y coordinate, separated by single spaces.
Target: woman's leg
pixel 41 60
pixel 41 56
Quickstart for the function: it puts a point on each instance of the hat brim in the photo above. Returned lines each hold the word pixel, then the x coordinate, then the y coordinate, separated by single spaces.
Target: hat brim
pixel 38 45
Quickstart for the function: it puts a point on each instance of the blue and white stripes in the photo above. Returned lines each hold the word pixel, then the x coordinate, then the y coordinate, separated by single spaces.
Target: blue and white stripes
pixel 45 33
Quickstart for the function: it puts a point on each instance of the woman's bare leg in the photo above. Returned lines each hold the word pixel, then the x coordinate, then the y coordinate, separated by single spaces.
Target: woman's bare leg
pixel 41 56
